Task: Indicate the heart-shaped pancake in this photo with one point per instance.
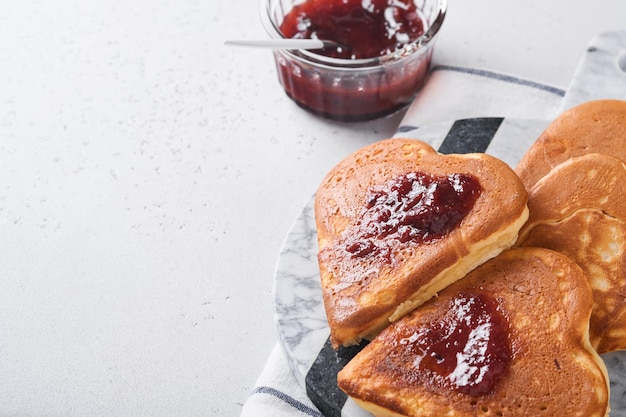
(509, 339)
(578, 209)
(397, 222)
(593, 127)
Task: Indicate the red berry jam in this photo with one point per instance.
(467, 350)
(379, 67)
(365, 28)
(414, 208)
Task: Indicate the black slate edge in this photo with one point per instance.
(321, 380)
(470, 135)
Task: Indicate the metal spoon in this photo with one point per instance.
(285, 43)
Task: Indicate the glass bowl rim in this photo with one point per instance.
(409, 50)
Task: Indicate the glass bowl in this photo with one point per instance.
(354, 89)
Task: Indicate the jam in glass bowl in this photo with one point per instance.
(381, 59)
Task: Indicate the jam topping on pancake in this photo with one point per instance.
(467, 350)
(412, 208)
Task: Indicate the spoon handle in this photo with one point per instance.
(279, 43)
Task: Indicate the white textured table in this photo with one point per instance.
(148, 176)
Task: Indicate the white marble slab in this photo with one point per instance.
(601, 73)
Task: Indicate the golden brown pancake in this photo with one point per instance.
(579, 209)
(397, 222)
(593, 127)
(510, 339)
(597, 243)
(588, 181)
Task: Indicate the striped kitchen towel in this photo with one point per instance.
(455, 93)
(277, 394)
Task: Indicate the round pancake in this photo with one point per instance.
(578, 209)
(596, 242)
(593, 127)
(553, 370)
(589, 181)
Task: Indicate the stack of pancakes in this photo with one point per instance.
(466, 324)
(575, 175)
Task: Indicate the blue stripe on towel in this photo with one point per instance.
(502, 77)
(303, 408)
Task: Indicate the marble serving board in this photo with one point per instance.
(601, 73)
(299, 309)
